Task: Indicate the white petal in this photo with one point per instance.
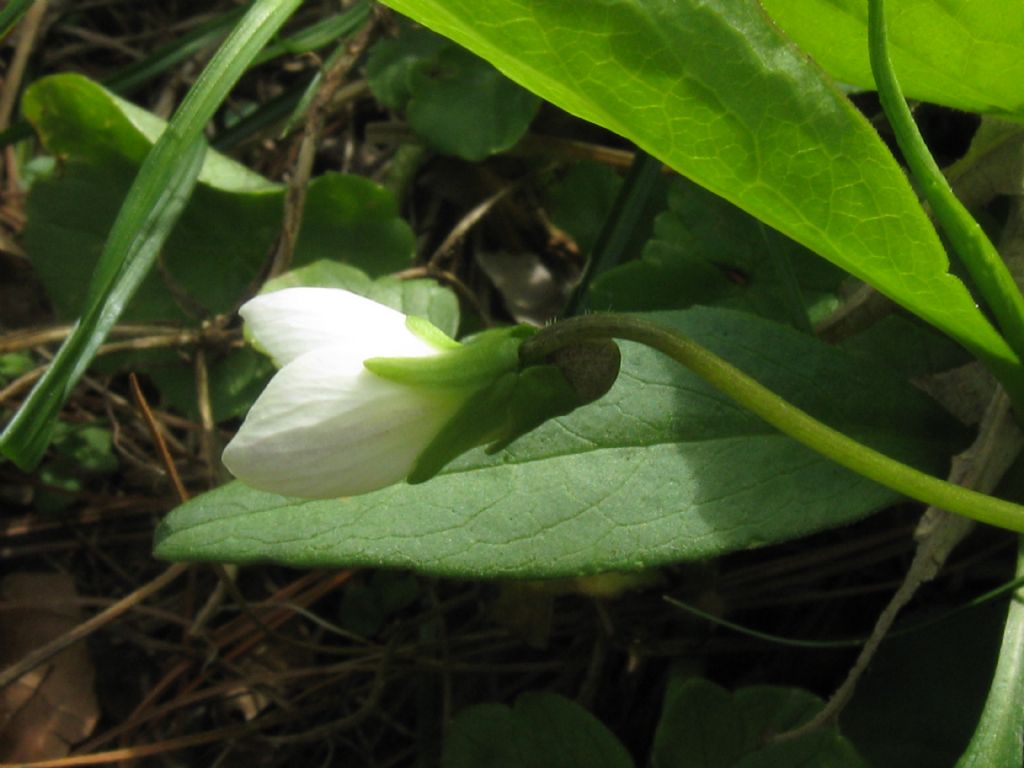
(293, 321)
(326, 427)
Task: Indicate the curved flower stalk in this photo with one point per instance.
(367, 397)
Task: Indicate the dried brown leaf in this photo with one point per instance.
(54, 706)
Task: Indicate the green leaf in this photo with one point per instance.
(419, 298)
(542, 731)
(219, 246)
(353, 219)
(464, 107)
(999, 738)
(661, 469)
(719, 94)
(457, 102)
(79, 119)
(817, 750)
(150, 211)
(13, 365)
(706, 251)
(146, 221)
(80, 452)
(704, 726)
(769, 709)
(965, 55)
(906, 347)
(235, 379)
(700, 727)
(365, 607)
(393, 63)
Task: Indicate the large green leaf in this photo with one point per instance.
(968, 55)
(662, 469)
(221, 243)
(717, 92)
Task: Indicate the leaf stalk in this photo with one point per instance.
(781, 414)
(970, 243)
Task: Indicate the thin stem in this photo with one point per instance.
(969, 241)
(781, 414)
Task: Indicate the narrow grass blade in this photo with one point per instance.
(12, 14)
(149, 212)
(612, 244)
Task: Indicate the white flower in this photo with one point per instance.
(326, 426)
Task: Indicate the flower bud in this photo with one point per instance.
(325, 426)
(367, 397)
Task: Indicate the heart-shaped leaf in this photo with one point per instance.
(221, 242)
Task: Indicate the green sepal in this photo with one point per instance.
(511, 406)
(430, 333)
(541, 392)
(482, 417)
(471, 365)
